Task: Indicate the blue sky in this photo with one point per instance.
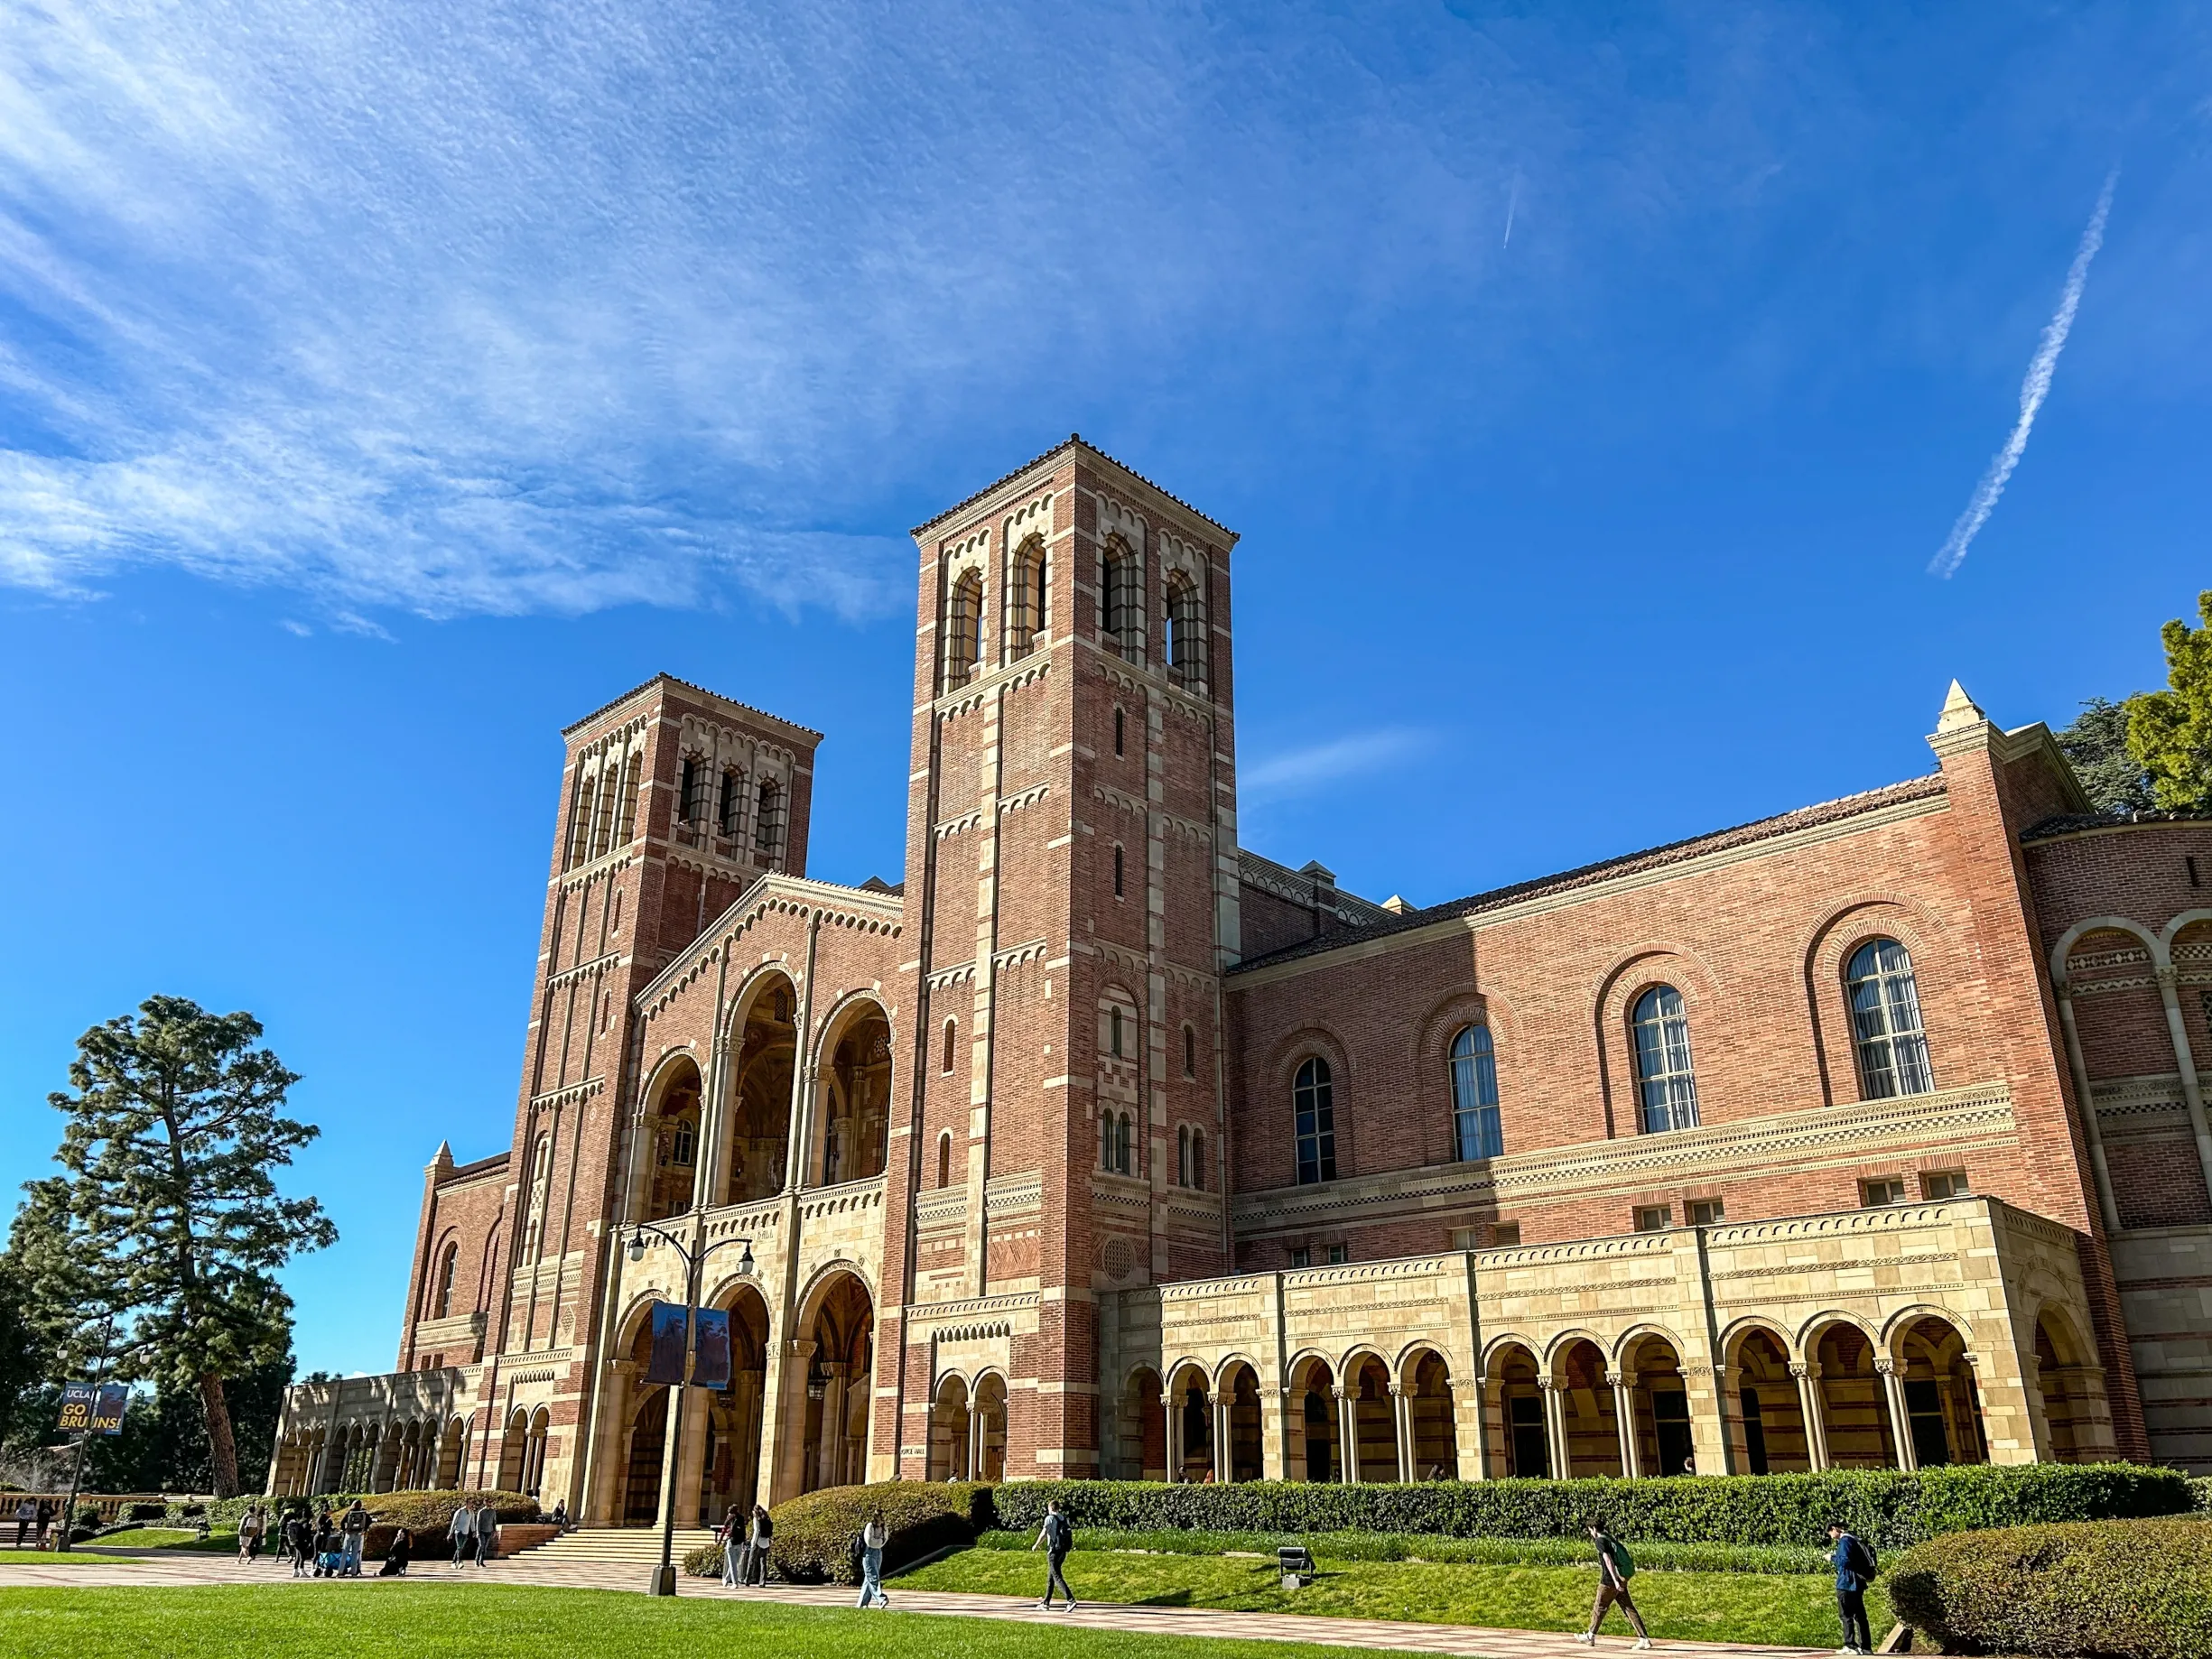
(383, 387)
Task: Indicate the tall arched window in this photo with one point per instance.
(1025, 591)
(1124, 1154)
(448, 1266)
(1475, 1130)
(768, 823)
(1117, 862)
(1121, 732)
(1183, 639)
(944, 1159)
(1190, 1052)
(1885, 1021)
(580, 817)
(952, 1043)
(1198, 1159)
(1313, 1100)
(1122, 581)
(1183, 1155)
(692, 789)
(730, 811)
(603, 835)
(626, 814)
(1663, 1073)
(1116, 1149)
(963, 631)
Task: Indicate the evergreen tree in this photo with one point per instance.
(2097, 744)
(2170, 732)
(168, 1209)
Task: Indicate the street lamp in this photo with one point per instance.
(664, 1575)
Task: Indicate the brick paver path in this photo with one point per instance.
(178, 1569)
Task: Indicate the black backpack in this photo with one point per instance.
(857, 1549)
(1866, 1567)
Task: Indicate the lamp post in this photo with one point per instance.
(77, 1471)
(694, 1261)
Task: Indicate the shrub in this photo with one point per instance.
(1651, 1556)
(2201, 1493)
(2121, 1589)
(814, 1534)
(427, 1515)
(1889, 1507)
(704, 1562)
(145, 1512)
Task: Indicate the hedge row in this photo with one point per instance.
(814, 1534)
(2122, 1590)
(1889, 1507)
(1802, 1560)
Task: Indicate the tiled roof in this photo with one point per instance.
(1073, 440)
(1654, 858)
(647, 685)
(2073, 823)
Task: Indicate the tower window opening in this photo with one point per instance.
(730, 808)
(1027, 595)
(1121, 732)
(1184, 637)
(768, 823)
(1190, 1052)
(963, 631)
(951, 1042)
(1117, 884)
(1313, 1100)
(693, 795)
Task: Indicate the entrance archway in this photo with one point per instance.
(1190, 1427)
(1239, 1391)
(1514, 1409)
(990, 1428)
(1943, 1407)
(1313, 1427)
(1584, 1411)
(2077, 1418)
(1374, 1420)
(730, 1448)
(1140, 1430)
(1770, 1414)
(837, 1371)
(856, 1098)
(951, 1440)
(1659, 1433)
(648, 1442)
(1428, 1408)
(759, 1136)
(1854, 1405)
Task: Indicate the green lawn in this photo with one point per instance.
(38, 1558)
(408, 1621)
(165, 1538)
(1787, 1609)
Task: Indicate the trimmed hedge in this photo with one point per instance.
(1889, 1507)
(814, 1534)
(2117, 1589)
(1804, 1560)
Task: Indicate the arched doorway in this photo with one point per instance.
(1313, 1422)
(839, 1384)
(1658, 1434)
(759, 1135)
(1429, 1409)
(1769, 1415)
(1513, 1427)
(672, 1139)
(450, 1446)
(1943, 1407)
(730, 1446)
(2077, 1418)
(1854, 1406)
(644, 1440)
(950, 1438)
(990, 1428)
(1239, 1392)
(856, 1098)
(514, 1451)
(1190, 1427)
(1142, 1431)
(1585, 1406)
(1374, 1420)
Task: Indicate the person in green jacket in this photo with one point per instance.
(1615, 1568)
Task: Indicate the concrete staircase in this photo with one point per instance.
(599, 1546)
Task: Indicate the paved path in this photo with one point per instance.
(181, 1569)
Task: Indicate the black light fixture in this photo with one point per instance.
(637, 1249)
(745, 1261)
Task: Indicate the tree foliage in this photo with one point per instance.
(2170, 732)
(2110, 774)
(167, 1210)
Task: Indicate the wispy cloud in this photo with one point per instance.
(1289, 772)
(2034, 390)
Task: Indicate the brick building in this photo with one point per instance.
(1870, 1133)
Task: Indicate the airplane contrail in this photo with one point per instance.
(1511, 202)
(2032, 392)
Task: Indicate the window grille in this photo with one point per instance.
(1184, 638)
(1668, 1085)
(1475, 1129)
(1314, 1113)
(1885, 1021)
(768, 823)
(730, 811)
(963, 631)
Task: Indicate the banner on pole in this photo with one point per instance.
(710, 1348)
(670, 1339)
(93, 1408)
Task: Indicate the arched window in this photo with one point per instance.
(1183, 1155)
(604, 813)
(1475, 1131)
(768, 823)
(692, 791)
(1106, 1140)
(1122, 581)
(1113, 1030)
(1124, 1159)
(1121, 732)
(683, 1142)
(963, 631)
(1116, 1152)
(1025, 593)
(448, 1267)
(1313, 1100)
(1118, 887)
(580, 796)
(730, 811)
(1198, 1160)
(626, 814)
(1664, 1076)
(1184, 637)
(1190, 1052)
(1885, 1021)
(952, 1043)
(945, 1160)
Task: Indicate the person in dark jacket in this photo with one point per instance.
(1616, 1567)
(300, 1542)
(760, 1546)
(1854, 1569)
(1057, 1538)
(398, 1555)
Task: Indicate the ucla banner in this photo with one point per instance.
(670, 1337)
(93, 1408)
(710, 1348)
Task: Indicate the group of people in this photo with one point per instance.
(327, 1544)
(747, 1541)
(1851, 1556)
(33, 1515)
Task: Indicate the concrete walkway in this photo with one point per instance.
(178, 1569)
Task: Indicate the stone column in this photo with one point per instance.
(1900, 1418)
(1810, 1406)
(2193, 1093)
(828, 1468)
(1225, 1463)
(1735, 1428)
(1560, 1455)
(783, 1423)
(1491, 1429)
(1173, 1415)
(1624, 1422)
(2105, 1201)
(1401, 1423)
(1275, 1439)
(691, 1464)
(1347, 1434)
(974, 1465)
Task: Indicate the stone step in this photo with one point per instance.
(640, 1544)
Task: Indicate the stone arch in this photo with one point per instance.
(453, 1447)
(831, 1378)
(1829, 950)
(1840, 1358)
(950, 1442)
(1190, 1421)
(1515, 1419)
(731, 1420)
(1236, 1394)
(989, 1404)
(1309, 1405)
(1430, 1427)
(1761, 1406)
(1370, 1421)
(853, 1068)
(1652, 1397)
(2069, 1385)
(1613, 999)
(1429, 1059)
(670, 1137)
(1585, 1423)
(1932, 1379)
(1142, 1438)
(761, 1048)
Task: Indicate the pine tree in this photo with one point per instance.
(168, 1207)
(2170, 732)
(2097, 744)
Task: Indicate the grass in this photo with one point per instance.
(40, 1557)
(1650, 1556)
(164, 1538)
(404, 1621)
(1789, 1609)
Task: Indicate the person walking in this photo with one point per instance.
(353, 1529)
(873, 1537)
(300, 1539)
(1855, 1570)
(46, 1519)
(249, 1532)
(730, 1535)
(487, 1532)
(760, 1547)
(26, 1517)
(1057, 1538)
(1615, 1568)
(462, 1529)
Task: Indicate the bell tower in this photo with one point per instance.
(1072, 888)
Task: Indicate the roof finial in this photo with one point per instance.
(1959, 710)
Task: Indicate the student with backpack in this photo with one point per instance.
(1856, 1567)
(868, 1545)
(1058, 1538)
(1615, 1568)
